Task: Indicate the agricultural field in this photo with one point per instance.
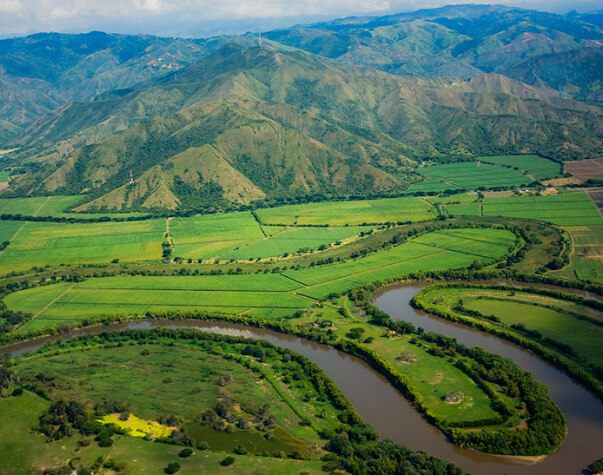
(349, 213)
(534, 166)
(257, 294)
(233, 407)
(239, 236)
(586, 262)
(469, 176)
(570, 323)
(4, 177)
(55, 244)
(585, 169)
(565, 209)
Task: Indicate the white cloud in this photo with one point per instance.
(26, 16)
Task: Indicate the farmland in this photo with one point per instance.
(239, 236)
(546, 319)
(58, 304)
(40, 244)
(532, 165)
(469, 176)
(349, 213)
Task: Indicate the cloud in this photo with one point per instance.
(147, 16)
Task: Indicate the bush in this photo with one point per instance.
(184, 453)
(172, 467)
(227, 461)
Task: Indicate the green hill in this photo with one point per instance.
(247, 123)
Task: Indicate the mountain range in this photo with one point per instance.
(345, 108)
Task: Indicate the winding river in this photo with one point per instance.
(384, 407)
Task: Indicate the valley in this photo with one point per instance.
(368, 245)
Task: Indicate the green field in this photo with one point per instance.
(40, 244)
(565, 209)
(586, 262)
(469, 176)
(239, 236)
(537, 167)
(441, 250)
(265, 295)
(554, 318)
(4, 177)
(291, 240)
(167, 372)
(350, 213)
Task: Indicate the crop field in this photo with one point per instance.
(565, 209)
(464, 209)
(265, 295)
(585, 169)
(291, 240)
(40, 244)
(350, 213)
(433, 185)
(4, 177)
(533, 165)
(239, 236)
(587, 258)
(473, 175)
(553, 318)
(447, 249)
(8, 229)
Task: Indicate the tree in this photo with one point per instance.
(227, 461)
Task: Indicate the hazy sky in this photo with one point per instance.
(203, 17)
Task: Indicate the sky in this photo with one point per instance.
(200, 18)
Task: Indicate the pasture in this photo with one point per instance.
(165, 379)
(554, 318)
(350, 213)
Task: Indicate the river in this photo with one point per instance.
(384, 407)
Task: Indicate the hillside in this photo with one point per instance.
(41, 72)
(247, 123)
(457, 40)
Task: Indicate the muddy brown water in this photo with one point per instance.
(384, 407)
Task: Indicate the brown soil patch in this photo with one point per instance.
(562, 181)
(585, 169)
(8, 150)
(3, 185)
(437, 379)
(549, 191)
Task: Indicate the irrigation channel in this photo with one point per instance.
(384, 407)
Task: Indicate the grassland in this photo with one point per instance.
(40, 244)
(266, 295)
(350, 213)
(167, 373)
(4, 177)
(562, 321)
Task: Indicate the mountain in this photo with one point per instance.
(456, 40)
(41, 72)
(246, 124)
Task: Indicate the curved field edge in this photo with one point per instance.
(353, 442)
(398, 379)
(566, 364)
(295, 290)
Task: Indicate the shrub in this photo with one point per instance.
(227, 461)
(184, 453)
(172, 467)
